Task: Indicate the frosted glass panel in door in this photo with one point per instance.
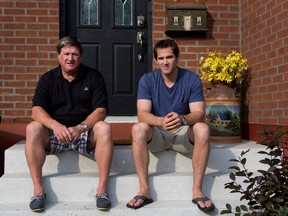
(124, 12)
(89, 10)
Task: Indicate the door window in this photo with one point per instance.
(89, 12)
(123, 12)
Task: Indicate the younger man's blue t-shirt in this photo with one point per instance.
(187, 89)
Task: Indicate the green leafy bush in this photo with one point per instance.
(266, 192)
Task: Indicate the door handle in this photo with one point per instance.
(140, 40)
(140, 21)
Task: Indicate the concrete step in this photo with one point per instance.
(70, 181)
(159, 208)
(121, 187)
(168, 161)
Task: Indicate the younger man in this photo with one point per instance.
(171, 114)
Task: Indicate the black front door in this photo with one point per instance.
(115, 35)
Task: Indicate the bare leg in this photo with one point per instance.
(104, 149)
(200, 132)
(37, 138)
(141, 134)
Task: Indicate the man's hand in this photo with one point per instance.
(172, 121)
(66, 135)
(62, 133)
(75, 132)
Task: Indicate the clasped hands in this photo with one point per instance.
(172, 121)
(67, 134)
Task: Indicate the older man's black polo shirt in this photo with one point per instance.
(71, 102)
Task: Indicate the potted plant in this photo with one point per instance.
(224, 73)
(227, 69)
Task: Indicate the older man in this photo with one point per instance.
(69, 108)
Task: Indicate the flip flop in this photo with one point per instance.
(203, 199)
(145, 199)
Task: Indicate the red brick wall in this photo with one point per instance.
(258, 30)
(264, 42)
(223, 34)
(29, 31)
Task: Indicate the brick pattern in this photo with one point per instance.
(29, 31)
(264, 42)
(257, 29)
(223, 34)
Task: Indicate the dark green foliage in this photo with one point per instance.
(267, 192)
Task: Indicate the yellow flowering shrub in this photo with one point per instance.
(226, 68)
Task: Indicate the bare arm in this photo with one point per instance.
(98, 114)
(197, 114)
(60, 131)
(64, 134)
(40, 115)
(173, 120)
(144, 108)
(169, 122)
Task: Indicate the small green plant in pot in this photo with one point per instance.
(266, 192)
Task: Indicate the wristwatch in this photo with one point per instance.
(83, 126)
(184, 121)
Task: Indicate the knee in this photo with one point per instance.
(201, 131)
(34, 128)
(102, 128)
(139, 130)
(36, 133)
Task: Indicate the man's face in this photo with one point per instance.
(69, 59)
(166, 60)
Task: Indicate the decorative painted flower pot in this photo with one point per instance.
(223, 114)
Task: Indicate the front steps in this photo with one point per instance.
(70, 181)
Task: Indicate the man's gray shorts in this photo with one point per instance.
(177, 140)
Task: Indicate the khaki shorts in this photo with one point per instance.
(177, 140)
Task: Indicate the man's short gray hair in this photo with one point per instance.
(69, 41)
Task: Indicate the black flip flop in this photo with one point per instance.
(203, 199)
(145, 199)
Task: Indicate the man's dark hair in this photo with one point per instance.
(165, 43)
(69, 41)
